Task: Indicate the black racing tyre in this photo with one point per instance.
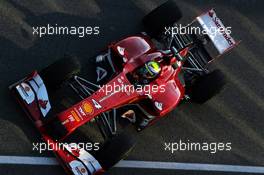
(163, 16)
(115, 149)
(58, 72)
(56, 129)
(207, 86)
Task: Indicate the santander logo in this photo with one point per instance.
(219, 25)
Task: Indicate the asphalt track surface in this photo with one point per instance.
(235, 115)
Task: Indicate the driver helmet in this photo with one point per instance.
(152, 69)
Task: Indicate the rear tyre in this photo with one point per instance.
(58, 72)
(115, 149)
(207, 86)
(163, 16)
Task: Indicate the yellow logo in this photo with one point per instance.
(88, 108)
(75, 116)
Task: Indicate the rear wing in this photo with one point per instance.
(206, 38)
(216, 31)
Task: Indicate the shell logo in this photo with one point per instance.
(88, 108)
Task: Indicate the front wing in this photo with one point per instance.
(32, 96)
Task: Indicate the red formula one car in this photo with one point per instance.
(140, 78)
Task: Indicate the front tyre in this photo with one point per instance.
(115, 149)
(59, 71)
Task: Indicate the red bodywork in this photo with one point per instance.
(137, 51)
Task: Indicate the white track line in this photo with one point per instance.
(24, 160)
(190, 166)
(28, 160)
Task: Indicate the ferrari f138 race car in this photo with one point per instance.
(174, 67)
